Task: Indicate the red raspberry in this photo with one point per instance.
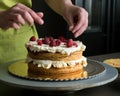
(46, 40)
(51, 38)
(58, 42)
(39, 42)
(52, 43)
(70, 43)
(32, 38)
(75, 44)
(62, 39)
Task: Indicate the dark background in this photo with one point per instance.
(103, 33)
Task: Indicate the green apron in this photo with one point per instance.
(12, 42)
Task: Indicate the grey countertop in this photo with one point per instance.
(105, 56)
(110, 89)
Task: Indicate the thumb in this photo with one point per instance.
(70, 22)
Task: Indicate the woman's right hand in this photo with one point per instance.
(18, 15)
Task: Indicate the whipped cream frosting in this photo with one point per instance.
(33, 46)
(58, 64)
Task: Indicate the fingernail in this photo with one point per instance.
(17, 28)
(76, 35)
(70, 28)
(41, 22)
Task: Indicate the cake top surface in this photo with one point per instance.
(49, 44)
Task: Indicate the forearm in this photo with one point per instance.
(59, 6)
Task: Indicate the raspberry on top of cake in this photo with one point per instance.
(52, 45)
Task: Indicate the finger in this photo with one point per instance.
(79, 22)
(26, 16)
(35, 17)
(70, 22)
(13, 25)
(82, 17)
(18, 19)
(16, 11)
(82, 29)
(40, 14)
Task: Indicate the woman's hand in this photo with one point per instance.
(18, 15)
(75, 16)
(77, 19)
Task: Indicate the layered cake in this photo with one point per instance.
(56, 59)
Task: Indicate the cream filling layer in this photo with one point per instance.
(58, 64)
